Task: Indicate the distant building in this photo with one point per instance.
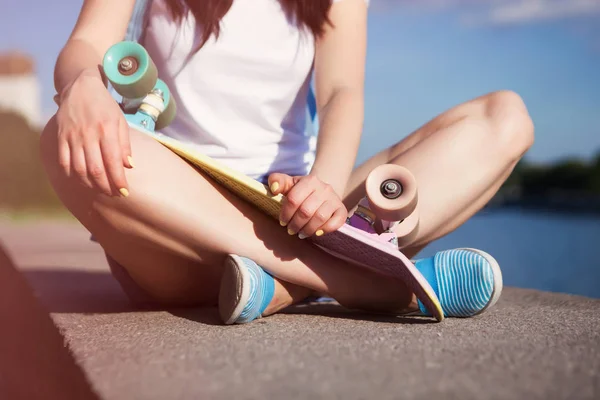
(20, 89)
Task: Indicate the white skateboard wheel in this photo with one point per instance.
(407, 230)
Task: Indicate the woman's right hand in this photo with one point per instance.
(93, 136)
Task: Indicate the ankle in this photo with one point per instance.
(286, 294)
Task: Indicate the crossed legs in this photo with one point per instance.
(173, 232)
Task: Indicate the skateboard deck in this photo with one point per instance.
(348, 243)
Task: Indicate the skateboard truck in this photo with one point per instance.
(365, 219)
(390, 205)
(145, 112)
(147, 101)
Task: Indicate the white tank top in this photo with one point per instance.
(241, 99)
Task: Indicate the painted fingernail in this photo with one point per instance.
(124, 192)
(130, 161)
(291, 232)
(302, 235)
(319, 232)
(274, 186)
(282, 223)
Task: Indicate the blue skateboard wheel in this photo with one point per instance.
(167, 116)
(130, 70)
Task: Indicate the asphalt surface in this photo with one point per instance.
(531, 345)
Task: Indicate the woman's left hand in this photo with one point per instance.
(310, 206)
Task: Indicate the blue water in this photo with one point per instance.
(546, 251)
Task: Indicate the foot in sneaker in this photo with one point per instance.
(467, 281)
(246, 290)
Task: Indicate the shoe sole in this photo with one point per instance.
(496, 273)
(233, 292)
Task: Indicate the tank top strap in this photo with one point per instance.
(138, 20)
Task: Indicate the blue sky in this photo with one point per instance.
(424, 57)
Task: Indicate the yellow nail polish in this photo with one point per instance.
(274, 186)
(130, 160)
(291, 232)
(319, 232)
(124, 192)
(282, 223)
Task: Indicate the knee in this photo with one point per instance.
(509, 121)
(48, 147)
(78, 198)
(49, 154)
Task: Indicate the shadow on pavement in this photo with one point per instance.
(333, 310)
(84, 292)
(205, 315)
(34, 361)
(77, 291)
(210, 316)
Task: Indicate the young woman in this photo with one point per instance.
(240, 70)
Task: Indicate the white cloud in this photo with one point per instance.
(537, 10)
(583, 15)
(499, 12)
(426, 5)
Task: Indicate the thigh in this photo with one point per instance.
(145, 233)
(355, 188)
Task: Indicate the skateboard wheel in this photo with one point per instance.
(407, 230)
(129, 68)
(392, 192)
(167, 116)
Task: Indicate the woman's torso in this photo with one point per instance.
(242, 98)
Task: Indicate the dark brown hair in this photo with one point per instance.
(311, 14)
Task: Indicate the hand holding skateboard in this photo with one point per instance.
(310, 206)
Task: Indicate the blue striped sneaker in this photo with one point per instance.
(467, 281)
(246, 290)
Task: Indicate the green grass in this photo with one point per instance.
(33, 215)
(25, 192)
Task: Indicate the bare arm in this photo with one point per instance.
(312, 204)
(101, 24)
(339, 78)
(92, 133)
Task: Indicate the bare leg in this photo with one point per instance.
(460, 160)
(174, 230)
(286, 294)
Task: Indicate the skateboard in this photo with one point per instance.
(375, 229)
